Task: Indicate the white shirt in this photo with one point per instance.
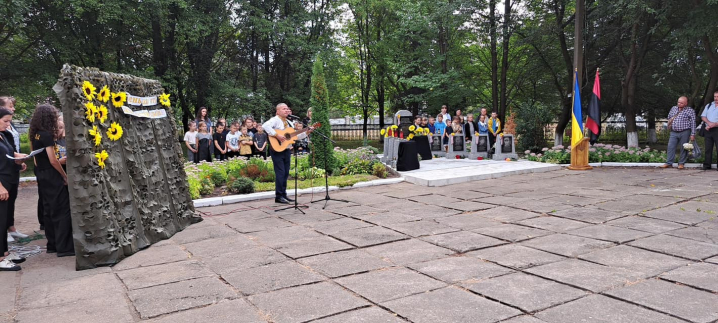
(277, 123)
(191, 137)
(233, 140)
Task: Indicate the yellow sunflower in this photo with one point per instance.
(410, 137)
(101, 157)
(412, 128)
(89, 90)
(115, 131)
(395, 127)
(118, 99)
(90, 110)
(104, 94)
(96, 134)
(383, 132)
(165, 99)
(101, 113)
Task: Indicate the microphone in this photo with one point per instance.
(293, 117)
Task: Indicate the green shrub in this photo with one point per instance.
(379, 170)
(532, 119)
(218, 176)
(358, 166)
(241, 185)
(319, 101)
(311, 173)
(194, 186)
(206, 186)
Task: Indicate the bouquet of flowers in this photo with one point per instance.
(688, 146)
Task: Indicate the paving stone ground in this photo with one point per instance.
(608, 245)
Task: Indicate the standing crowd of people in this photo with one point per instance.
(206, 140)
(445, 125)
(682, 127)
(47, 132)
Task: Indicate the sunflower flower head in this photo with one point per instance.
(101, 157)
(90, 111)
(165, 99)
(118, 99)
(101, 113)
(89, 90)
(412, 128)
(383, 132)
(97, 136)
(104, 94)
(115, 131)
(395, 127)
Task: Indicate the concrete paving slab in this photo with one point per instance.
(602, 309)
(216, 247)
(450, 305)
(387, 218)
(674, 299)
(587, 275)
(567, 245)
(707, 234)
(205, 233)
(646, 224)
(238, 310)
(527, 292)
(158, 275)
(243, 225)
(515, 256)
(507, 214)
(363, 315)
(639, 260)
(409, 251)
(364, 237)
(512, 232)
(634, 204)
(463, 241)
(279, 236)
(701, 275)
(387, 284)
(523, 319)
(270, 277)
(74, 291)
(164, 299)
(243, 259)
(339, 225)
(455, 269)
(609, 233)
(304, 303)
(421, 228)
(588, 214)
(467, 221)
(553, 223)
(96, 309)
(429, 211)
(153, 255)
(713, 260)
(686, 213)
(677, 247)
(309, 247)
(344, 263)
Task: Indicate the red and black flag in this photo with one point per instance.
(593, 122)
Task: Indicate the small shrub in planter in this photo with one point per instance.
(206, 186)
(241, 185)
(379, 170)
(358, 166)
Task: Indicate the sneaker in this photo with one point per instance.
(15, 258)
(10, 239)
(17, 234)
(7, 265)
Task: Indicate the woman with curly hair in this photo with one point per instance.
(52, 182)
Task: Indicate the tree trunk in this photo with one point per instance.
(505, 59)
(494, 57)
(713, 80)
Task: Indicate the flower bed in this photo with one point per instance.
(599, 153)
(243, 176)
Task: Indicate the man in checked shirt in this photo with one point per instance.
(682, 124)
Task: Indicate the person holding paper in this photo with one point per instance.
(14, 136)
(9, 179)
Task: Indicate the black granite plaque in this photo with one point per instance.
(507, 145)
(436, 143)
(459, 143)
(482, 144)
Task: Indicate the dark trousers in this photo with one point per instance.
(218, 156)
(711, 140)
(56, 202)
(12, 191)
(281, 162)
(5, 208)
(492, 140)
(40, 208)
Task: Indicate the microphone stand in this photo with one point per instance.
(326, 199)
(296, 197)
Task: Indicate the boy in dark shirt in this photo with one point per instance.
(260, 142)
(220, 145)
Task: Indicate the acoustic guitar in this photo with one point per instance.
(290, 134)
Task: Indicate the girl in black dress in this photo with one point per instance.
(9, 179)
(204, 142)
(52, 182)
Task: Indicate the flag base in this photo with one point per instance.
(579, 156)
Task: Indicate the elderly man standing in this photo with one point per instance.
(710, 117)
(682, 124)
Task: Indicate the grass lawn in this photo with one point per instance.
(341, 181)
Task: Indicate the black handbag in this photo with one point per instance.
(702, 129)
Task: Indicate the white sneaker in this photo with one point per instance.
(15, 258)
(10, 239)
(17, 234)
(7, 265)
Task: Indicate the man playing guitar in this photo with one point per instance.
(281, 159)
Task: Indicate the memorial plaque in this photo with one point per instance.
(483, 145)
(404, 119)
(505, 148)
(436, 144)
(507, 145)
(479, 147)
(458, 144)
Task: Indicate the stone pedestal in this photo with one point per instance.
(480, 147)
(505, 148)
(457, 146)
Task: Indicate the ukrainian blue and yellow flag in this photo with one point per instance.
(577, 119)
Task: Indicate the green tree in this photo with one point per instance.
(323, 148)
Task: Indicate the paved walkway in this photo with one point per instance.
(609, 245)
